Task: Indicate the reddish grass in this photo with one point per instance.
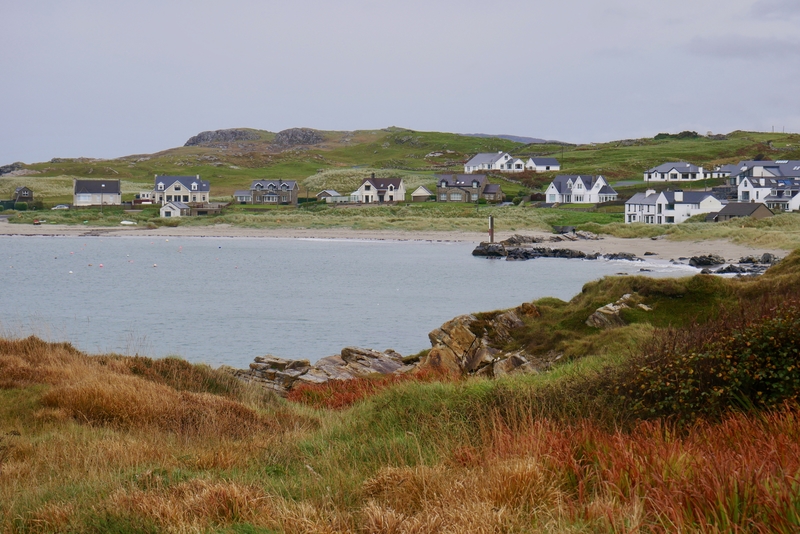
(339, 394)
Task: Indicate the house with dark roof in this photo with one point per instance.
(175, 208)
(243, 196)
(96, 192)
(779, 194)
(22, 194)
(494, 161)
(466, 188)
(278, 192)
(669, 207)
(579, 189)
(542, 164)
(379, 190)
(186, 189)
(674, 171)
(735, 210)
(765, 169)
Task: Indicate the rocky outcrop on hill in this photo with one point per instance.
(608, 316)
(222, 136)
(8, 169)
(298, 136)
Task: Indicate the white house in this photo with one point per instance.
(542, 164)
(181, 189)
(577, 189)
(765, 169)
(500, 161)
(174, 208)
(675, 171)
(669, 207)
(380, 190)
(779, 194)
(421, 194)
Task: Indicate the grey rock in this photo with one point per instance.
(298, 136)
(706, 260)
(222, 136)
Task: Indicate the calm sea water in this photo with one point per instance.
(227, 300)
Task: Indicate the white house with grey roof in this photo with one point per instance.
(579, 189)
(542, 164)
(96, 192)
(765, 169)
(674, 171)
(491, 161)
(669, 207)
(779, 194)
(174, 208)
(186, 189)
(380, 190)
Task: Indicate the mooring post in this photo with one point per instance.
(491, 228)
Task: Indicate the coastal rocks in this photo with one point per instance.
(706, 260)
(490, 250)
(222, 136)
(764, 259)
(298, 136)
(519, 248)
(281, 375)
(622, 256)
(608, 316)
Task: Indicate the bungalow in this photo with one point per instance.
(96, 192)
(328, 193)
(574, 188)
(175, 208)
(421, 194)
(466, 188)
(380, 190)
(678, 171)
(284, 192)
(543, 164)
(669, 207)
(243, 196)
(181, 189)
(500, 161)
(735, 210)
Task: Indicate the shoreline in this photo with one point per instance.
(660, 248)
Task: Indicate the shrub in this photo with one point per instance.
(21, 206)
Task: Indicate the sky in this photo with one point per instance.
(110, 78)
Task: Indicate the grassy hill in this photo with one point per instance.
(683, 421)
(393, 151)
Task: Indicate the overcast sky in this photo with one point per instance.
(106, 78)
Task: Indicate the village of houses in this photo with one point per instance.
(753, 189)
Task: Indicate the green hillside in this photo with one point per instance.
(410, 154)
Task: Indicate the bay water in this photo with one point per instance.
(226, 300)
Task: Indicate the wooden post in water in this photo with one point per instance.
(491, 228)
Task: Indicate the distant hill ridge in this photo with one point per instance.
(519, 139)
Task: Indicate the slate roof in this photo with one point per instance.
(680, 166)
(421, 191)
(689, 197)
(740, 209)
(460, 180)
(560, 182)
(278, 184)
(112, 187)
(241, 193)
(488, 158)
(729, 168)
(643, 198)
(544, 161)
(185, 181)
(607, 190)
(177, 204)
(330, 192)
(491, 189)
(382, 184)
(780, 168)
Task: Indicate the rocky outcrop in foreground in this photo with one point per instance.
(521, 247)
(466, 345)
(222, 136)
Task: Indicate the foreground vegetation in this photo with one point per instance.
(684, 420)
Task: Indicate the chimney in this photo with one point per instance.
(678, 195)
(762, 182)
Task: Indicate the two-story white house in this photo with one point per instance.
(542, 165)
(765, 169)
(578, 189)
(674, 171)
(380, 190)
(184, 189)
(491, 161)
(779, 194)
(669, 207)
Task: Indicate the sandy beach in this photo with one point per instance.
(661, 248)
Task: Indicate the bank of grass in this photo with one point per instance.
(114, 443)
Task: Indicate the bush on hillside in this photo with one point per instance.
(749, 361)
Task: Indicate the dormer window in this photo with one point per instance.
(443, 184)
(285, 187)
(194, 186)
(259, 187)
(271, 187)
(475, 184)
(161, 186)
(391, 187)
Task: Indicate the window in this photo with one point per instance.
(185, 198)
(474, 197)
(160, 186)
(551, 198)
(177, 188)
(204, 198)
(547, 168)
(673, 176)
(475, 184)
(443, 196)
(169, 198)
(194, 186)
(367, 187)
(167, 213)
(455, 196)
(443, 184)
(194, 198)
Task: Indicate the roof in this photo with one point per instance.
(460, 180)
(607, 190)
(20, 188)
(329, 192)
(241, 193)
(544, 161)
(486, 158)
(112, 187)
(689, 197)
(491, 189)
(177, 204)
(781, 168)
(384, 183)
(680, 166)
(741, 209)
(421, 191)
(643, 198)
(290, 184)
(185, 181)
(560, 183)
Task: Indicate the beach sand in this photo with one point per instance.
(661, 248)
